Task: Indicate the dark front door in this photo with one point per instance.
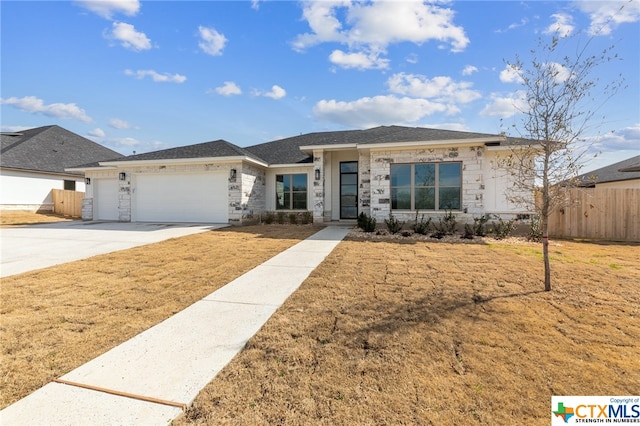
(349, 190)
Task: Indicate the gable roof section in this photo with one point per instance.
(287, 151)
(214, 149)
(49, 149)
(612, 173)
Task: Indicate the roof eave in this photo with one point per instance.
(199, 160)
(413, 144)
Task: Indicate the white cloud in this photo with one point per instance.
(58, 110)
(358, 60)
(469, 69)
(505, 106)
(513, 26)
(107, 8)
(372, 26)
(511, 74)
(606, 16)
(562, 25)
(229, 88)
(211, 41)
(117, 123)
(97, 133)
(379, 110)
(128, 37)
(157, 77)
(627, 138)
(276, 92)
(440, 88)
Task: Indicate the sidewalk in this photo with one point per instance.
(150, 378)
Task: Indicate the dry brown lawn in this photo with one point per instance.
(56, 319)
(20, 217)
(386, 333)
(381, 333)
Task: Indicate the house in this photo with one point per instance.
(624, 174)
(336, 175)
(33, 163)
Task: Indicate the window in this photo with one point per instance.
(291, 192)
(70, 185)
(426, 186)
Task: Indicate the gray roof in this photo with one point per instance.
(612, 173)
(287, 150)
(50, 149)
(219, 148)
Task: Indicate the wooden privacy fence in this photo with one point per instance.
(67, 203)
(599, 213)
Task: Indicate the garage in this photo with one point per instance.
(168, 197)
(105, 199)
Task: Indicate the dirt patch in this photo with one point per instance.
(56, 319)
(20, 217)
(387, 332)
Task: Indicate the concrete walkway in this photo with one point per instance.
(152, 377)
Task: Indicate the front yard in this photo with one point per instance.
(382, 332)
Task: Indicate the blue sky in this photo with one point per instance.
(146, 75)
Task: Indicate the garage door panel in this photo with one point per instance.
(105, 197)
(201, 197)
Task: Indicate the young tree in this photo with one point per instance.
(561, 97)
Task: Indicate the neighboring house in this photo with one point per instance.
(624, 174)
(336, 175)
(33, 163)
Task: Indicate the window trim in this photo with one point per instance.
(291, 192)
(413, 187)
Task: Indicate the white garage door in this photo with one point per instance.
(105, 199)
(201, 197)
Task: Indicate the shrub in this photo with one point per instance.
(446, 225)
(502, 229)
(366, 222)
(280, 217)
(535, 231)
(306, 217)
(269, 217)
(469, 231)
(479, 225)
(393, 224)
(421, 227)
(293, 218)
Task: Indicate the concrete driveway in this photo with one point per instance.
(32, 247)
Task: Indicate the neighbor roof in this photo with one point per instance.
(49, 149)
(612, 173)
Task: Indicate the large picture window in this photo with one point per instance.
(426, 186)
(291, 192)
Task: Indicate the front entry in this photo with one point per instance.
(349, 190)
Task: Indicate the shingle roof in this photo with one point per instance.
(612, 173)
(49, 149)
(219, 148)
(287, 151)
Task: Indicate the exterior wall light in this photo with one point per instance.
(232, 175)
(87, 181)
(122, 176)
(317, 174)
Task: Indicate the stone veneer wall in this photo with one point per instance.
(380, 182)
(318, 206)
(247, 195)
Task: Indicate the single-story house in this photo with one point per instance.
(33, 163)
(336, 175)
(623, 174)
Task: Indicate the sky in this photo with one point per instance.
(138, 76)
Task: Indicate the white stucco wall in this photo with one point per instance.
(32, 191)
